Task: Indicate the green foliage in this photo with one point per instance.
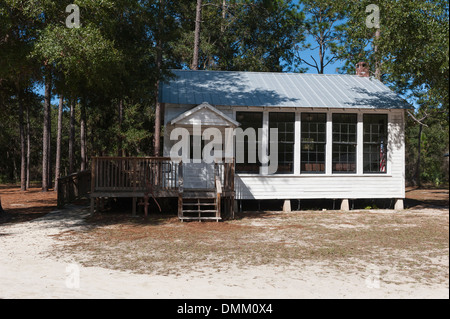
(248, 36)
(325, 27)
(412, 49)
(9, 136)
(434, 144)
(111, 60)
(83, 56)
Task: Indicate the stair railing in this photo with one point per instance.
(218, 186)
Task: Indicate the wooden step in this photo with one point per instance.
(199, 211)
(191, 205)
(200, 218)
(199, 196)
(199, 204)
(199, 193)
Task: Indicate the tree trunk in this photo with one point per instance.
(198, 19)
(157, 138)
(224, 16)
(71, 135)
(157, 135)
(321, 57)
(23, 163)
(419, 148)
(83, 136)
(46, 132)
(28, 148)
(1, 208)
(58, 143)
(50, 163)
(120, 137)
(377, 59)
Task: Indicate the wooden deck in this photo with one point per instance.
(155, 177)
(73, 187)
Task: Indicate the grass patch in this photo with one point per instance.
(408, 243)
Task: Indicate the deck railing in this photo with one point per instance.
(73, 187)
(134, 174)
(153, 176)
(225, 171)
(224, 182)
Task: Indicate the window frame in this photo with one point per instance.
(282, 144)
(384, 135)
(348, 128)
(240, 168)
(314, 144)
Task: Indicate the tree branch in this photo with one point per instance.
(329, 61)
(419, 120)
(311, 65)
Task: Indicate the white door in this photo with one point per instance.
(198, 175)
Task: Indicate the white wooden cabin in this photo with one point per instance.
(340, 136)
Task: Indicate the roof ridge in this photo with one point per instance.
(263, 72)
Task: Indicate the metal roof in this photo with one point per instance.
(268, 89)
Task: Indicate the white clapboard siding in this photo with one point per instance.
(335, 186)
(327, 186)
(303, 187)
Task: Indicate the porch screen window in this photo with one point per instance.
(191, 148)
(344, 143)
(249, 120)
(313, 141)
(375, 143)
(285, 123)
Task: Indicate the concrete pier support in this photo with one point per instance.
(287, 206)
(345, 205)
(399, 205)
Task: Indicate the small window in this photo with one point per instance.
(344, 143)
(248, 120)
(313, 141)
(285, 123)
(375, 143)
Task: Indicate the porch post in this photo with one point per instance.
(329, 145)
(297, 145)
(93, 184)
(359, 145)
(133, 212)
(265, 145)
(229, 145)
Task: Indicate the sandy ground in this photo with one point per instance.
(28, 270)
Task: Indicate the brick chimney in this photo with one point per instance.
(362, 69)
